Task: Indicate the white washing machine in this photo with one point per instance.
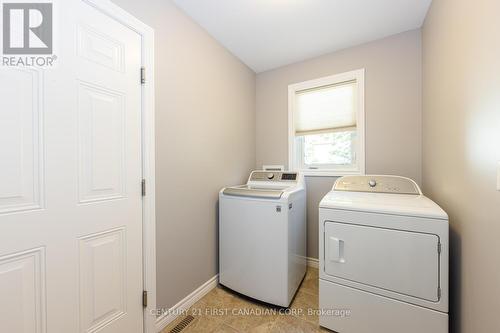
(383, 258)
(262, 236)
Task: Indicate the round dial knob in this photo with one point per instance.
(372, 183)
(270, 175)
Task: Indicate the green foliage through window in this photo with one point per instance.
(329, 148)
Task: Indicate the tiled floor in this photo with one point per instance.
(223, 311)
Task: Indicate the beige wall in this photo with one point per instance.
(461, 131)
(392, 106)
(205, 126)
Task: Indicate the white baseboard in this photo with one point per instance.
(169, 316)
(312, 262)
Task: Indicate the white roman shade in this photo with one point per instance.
(325, 109)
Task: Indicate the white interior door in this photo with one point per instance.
(70, 174)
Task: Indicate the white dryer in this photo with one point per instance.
(383, 258)
(262, 236)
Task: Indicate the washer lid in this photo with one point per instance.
(384, 203)
(253, 192)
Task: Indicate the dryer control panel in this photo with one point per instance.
(377, 184)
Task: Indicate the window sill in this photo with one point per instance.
(329, 173)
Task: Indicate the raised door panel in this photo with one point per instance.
(101, 143)
(100, 48)
(20, 132)
(22, 290)
(102, 279)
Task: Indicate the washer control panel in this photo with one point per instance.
(274, 176)
(377, 184)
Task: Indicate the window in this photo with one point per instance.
(326, 125)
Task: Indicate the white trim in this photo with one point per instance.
(359, 76)
(170, 315)
(313, 262)
(148, 151)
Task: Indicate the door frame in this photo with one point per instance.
(148, 154)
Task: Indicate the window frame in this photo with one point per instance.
(357, 75)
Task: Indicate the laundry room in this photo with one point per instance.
(255, 166)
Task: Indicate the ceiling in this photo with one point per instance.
(266, 34)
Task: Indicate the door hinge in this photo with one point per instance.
(143, 75)
(143, 187)
(145, 299)
(439, 248)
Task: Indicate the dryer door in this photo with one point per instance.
(394, 260)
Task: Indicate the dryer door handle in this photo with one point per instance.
(336, 250)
